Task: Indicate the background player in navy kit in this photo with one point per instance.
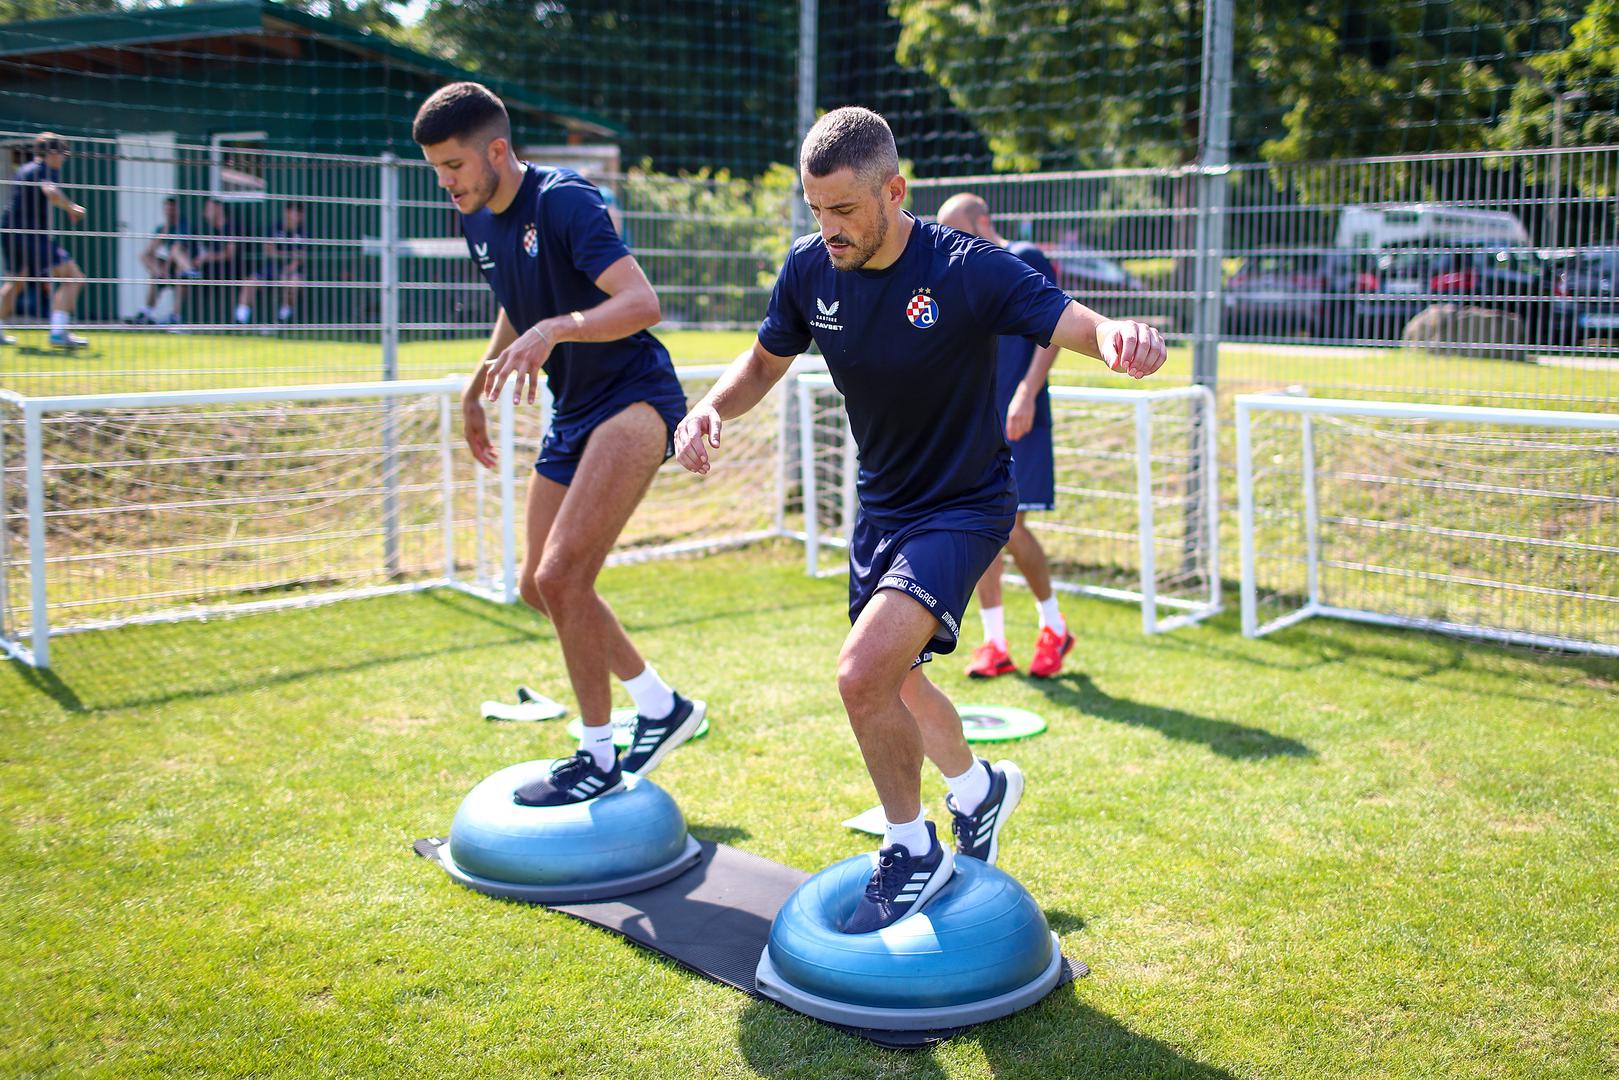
(906, 313)
(1021, 368)
(575, 304)
(29, 249)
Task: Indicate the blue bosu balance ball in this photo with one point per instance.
(606, 846)
(980, 949)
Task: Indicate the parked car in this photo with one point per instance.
(1391, 290)
(1277, 294)
(1515, 280)
(1591, 281)
(1086, 273)
(1476, 272)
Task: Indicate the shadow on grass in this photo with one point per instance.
(719, 834)
(1075, 690)
(1061, 1037)
(1064, 922)
(1394, 653)
(168, 663)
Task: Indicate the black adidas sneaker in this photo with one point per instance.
(572, 780)
(655, 738)
(978, 834)
(900, 885)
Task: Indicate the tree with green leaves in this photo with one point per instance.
(694, 85)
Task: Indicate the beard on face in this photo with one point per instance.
(860, 254)
(481, 190)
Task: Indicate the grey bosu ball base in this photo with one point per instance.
(608, 846)
(771, 984)
(573, 894)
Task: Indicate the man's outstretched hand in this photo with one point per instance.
(1130, 348)
(702, 423)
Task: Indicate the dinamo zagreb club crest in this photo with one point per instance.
(923, 311)
(531, 241)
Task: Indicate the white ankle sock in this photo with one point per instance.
(994, 620)
(598, 741)
(284, 313)
(1050, 615)
(244, 313)
(913, 835)
(58, 321)
(969, 790)
(652, 696)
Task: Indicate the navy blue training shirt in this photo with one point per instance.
(1015, 353)
(912, 347)
(28, 207)
(542, 256)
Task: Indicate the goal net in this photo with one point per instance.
(1484, 522)
(160, 506)
(1137, 507)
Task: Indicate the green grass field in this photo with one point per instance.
(1336, 852)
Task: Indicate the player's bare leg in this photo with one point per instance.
(939, 723)
(618, 464)
(873, 667)
(544, 501)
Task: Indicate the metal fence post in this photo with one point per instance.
(808, 17)
(1214, 150)
(389, 215)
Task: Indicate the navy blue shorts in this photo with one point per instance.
(1034, 470)
(565, 443)
(33, 255)
(934, 564)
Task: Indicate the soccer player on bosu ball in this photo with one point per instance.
(575, 305)
(906, 314)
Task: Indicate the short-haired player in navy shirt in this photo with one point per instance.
(575, 305)
(906, 313)
(31, 252)
(1024, 402)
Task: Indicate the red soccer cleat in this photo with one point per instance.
(1048, 653)
(990, 660)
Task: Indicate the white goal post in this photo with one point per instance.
(1493, 523)
(1137, 498)
(171, 505)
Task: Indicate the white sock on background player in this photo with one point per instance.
(994, 620)
(1051, 616)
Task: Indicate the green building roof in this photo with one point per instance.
(172, 43)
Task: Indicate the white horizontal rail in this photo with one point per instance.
(318, 392)
(1404, 410)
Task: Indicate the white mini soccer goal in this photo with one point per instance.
(129, 508)
(1491, 523)
(132, 508)
(1137, 505)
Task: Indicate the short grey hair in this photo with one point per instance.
(851, 138)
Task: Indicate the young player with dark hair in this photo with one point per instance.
(574, 305)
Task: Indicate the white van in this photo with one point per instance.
(1371, 229)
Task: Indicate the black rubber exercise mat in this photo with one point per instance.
(715, 919)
